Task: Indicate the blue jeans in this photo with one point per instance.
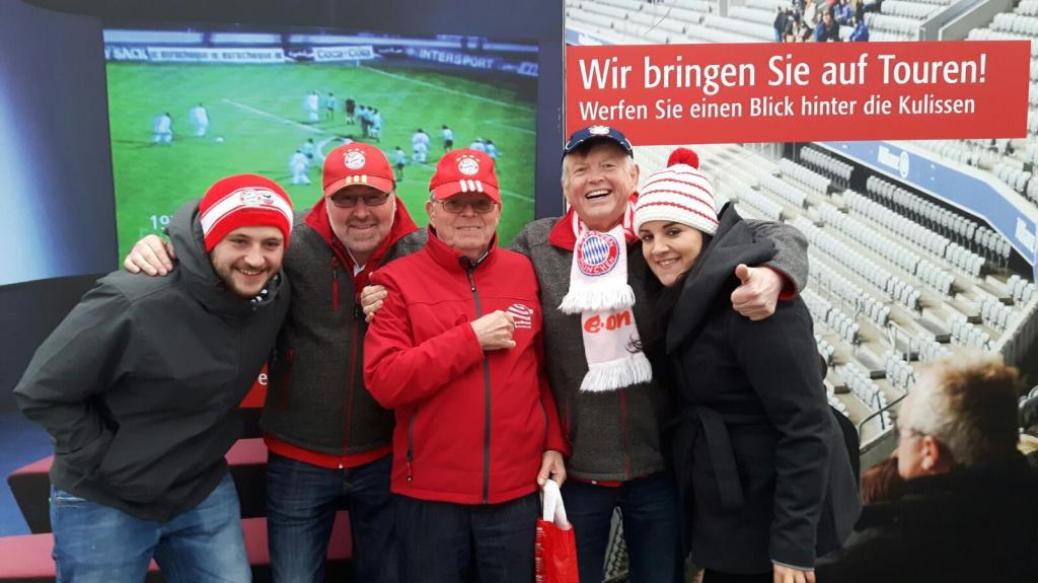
(650, 519)
(100, 544)
(439, 540)
(301, 503)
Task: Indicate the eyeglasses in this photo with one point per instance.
(348, 202)
(456, 207)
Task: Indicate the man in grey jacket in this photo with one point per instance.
(139, 388)
(596, 320)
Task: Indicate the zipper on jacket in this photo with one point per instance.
(351, 387)
(335, 285)
(623, 434)
(410, 446)
(486, 395)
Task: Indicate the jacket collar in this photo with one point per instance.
(451, 259)
(199, 277)
(714, 273)
(318, 220)
(564, 234)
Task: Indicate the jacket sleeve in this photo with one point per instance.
(554, 438)
(780, 360)
(397, 370)
(790, 258)
(82, 358)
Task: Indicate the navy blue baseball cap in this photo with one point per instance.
(597, 132)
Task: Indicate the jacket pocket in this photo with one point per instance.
(86, 458)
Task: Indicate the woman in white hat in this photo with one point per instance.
(763, 476)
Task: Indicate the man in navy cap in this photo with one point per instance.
(611, 403)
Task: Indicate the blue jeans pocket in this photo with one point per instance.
(62, 498)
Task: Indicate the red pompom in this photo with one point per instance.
(683, 156)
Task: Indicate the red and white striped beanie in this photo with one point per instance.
(679, 193)
(243, 200)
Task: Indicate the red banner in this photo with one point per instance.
(770, 92)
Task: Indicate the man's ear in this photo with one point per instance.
(933, 455)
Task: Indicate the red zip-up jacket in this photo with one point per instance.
(471, 426)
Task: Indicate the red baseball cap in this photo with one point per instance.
(357, 163)
(464, 170)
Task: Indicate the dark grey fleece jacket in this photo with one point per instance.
(615, 435)
(317, 399)
(139, 385)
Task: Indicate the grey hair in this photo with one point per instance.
(967, 402)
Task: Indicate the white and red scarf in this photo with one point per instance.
(599, 292)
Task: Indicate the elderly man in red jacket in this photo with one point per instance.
(456, 352)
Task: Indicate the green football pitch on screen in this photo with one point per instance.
(257, 121)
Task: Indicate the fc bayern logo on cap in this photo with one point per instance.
(598, 130)
(468, 165)
(354, 159)
(256, 197)
(598, 254)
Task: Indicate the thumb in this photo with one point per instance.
(542, 476)
(743, 273)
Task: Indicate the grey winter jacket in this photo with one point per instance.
(317, 399)
(139, 385)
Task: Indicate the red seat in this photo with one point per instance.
(247, 459)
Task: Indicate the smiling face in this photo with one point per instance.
(597, 183)
(670, 249)
(359, 225)
(468, 231)
(247, 258)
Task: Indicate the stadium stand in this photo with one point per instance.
(896, 278)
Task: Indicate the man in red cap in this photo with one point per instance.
(139, 388)
(329, 441)
(456, 352)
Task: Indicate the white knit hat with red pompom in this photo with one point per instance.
(679, 193)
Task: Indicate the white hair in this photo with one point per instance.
(968, 403)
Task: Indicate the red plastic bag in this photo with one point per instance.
(556, 549)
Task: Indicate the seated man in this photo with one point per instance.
(968, 509)
(456, 352)
(139, 388)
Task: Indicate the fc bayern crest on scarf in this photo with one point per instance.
(599, 292)
(598, 254)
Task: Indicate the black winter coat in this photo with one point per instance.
(967, 526)
(763, 474)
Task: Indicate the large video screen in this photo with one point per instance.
(188, 105)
